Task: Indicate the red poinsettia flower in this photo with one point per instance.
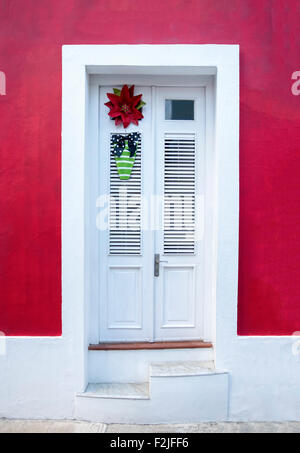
(123, 108)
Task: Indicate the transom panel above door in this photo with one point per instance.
(151, 252)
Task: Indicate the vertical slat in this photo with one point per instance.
(179, 194)
(125, 208)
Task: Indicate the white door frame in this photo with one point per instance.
(150, 290)
(95, 83)
(220, 61)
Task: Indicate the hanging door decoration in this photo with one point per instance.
(125, 108)
(124, 149)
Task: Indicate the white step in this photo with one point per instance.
(166, 369)
(133, 366)
(115, 391)
(180, 392)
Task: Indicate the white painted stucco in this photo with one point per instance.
(39, 377)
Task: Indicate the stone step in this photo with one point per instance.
(117, 391)
(180, 391)
(133, 366)
(181, 368)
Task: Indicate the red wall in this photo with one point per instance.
(31, 36)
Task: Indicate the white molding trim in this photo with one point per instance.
(77, 62)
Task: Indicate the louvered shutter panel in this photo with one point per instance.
(125, 209)
(179, 194)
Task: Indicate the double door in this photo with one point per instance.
(152, 236)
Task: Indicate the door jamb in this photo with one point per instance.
(78, 61)
(95, 82)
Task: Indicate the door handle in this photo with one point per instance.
(157, 262)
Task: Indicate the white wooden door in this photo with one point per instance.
(178, 240)
(159, 211)
(126, 250)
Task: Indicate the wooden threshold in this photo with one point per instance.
(145, 345)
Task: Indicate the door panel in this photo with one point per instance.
(125, 294)
(165, 190)
(179, 194)
(125, 236)
(178, 296)
(180, 181)
(126, 250)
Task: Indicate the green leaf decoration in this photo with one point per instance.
(140, 105)
(125, 163)
(117, 91)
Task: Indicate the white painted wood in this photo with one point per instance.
(126, 291)
(91, 211)
(179, 178)
(178, 298)
(179, 290)
(125, 208)
(125, 294)
(129, 310)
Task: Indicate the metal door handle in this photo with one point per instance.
(157, 261)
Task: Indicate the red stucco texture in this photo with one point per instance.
(31, 36)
